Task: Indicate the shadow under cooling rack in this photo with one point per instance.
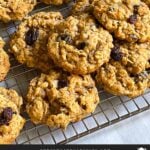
(111, 110)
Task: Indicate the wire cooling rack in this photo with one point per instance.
(111, 110)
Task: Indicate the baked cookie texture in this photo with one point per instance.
(59, 98)
(82, 6)
(4, 61)
(55, 2)
(135, 57)
(118, 81)
(79, 45)
(147, 2)
(127, 20)
(11, 122)
(29, 43)
(15, 9)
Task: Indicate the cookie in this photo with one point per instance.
(59, 98)
(12, 95)
(4, 61)
(79, 45)
(55, 2)
(11, 122)
(135, 57)
(127, 20)
(118, 81)
(15, 10)
(29, 43)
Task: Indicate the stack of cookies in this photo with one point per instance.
(127, 71)
(103, 42)
(65, 92)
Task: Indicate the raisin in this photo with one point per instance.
(6, 116)
(136, 9)
(78, 100)
(93, 75)
(132, 75)
(116, 54)
(140, 77)
(84, 107)
(66, 38)
(81, 46)
(62, 84)
(97, 23)
(31, 36)
(132, 19)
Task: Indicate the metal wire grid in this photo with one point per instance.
(111, 110)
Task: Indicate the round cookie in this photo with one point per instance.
(55, 2)
(4, 61)
(15, 9)
(59, 98)
(79, 45)
(135, 57)
(118, 81)
(127, 19)
(11, 123)
(29, 43)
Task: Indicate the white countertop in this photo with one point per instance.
(134, 130)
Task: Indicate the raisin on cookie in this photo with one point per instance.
(59, 98)
(135, 57)
(79, 45)
(4, 61)
(29, 43)
(15, 10)
(115, 79)
(127, 19)
(11, 122)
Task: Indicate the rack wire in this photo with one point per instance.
(111, 110)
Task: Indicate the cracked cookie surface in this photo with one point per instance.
(60, 98)
(4, 61)
(79, 45)
(29, 43)
(127, 20)
(82, 6)
(15, 9)
(11, 122)
(135, 57)
(118, 81)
